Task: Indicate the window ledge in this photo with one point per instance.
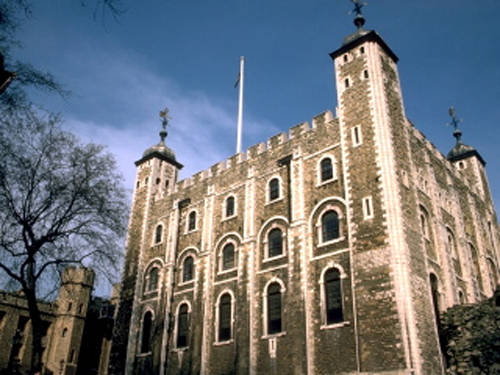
(274, 201)
(223, 272)
(335, 325)
(331, 242)
(184, 283)
(222, 343)
(183, 349)
(274, 335)
(191, 231)
(142, 355)
(276, 257)
(321, 183)
(227, 218)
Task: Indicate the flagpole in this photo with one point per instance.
(240, 105)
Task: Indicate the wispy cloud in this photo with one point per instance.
(203, 129)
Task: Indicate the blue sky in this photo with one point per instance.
(185, 54)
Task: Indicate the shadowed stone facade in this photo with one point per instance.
(372, 244)
(77, 335)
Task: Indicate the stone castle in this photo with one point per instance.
(77, 329)
(330, 249)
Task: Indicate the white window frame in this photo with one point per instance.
(162, 234)
(268, 189)
(321, 283)
(265, 308)
(319, 226)
(141, 331)
(217, 310)
(176, 326)
(224, 206)
(195, 221)
(265, 242)
(356, 136)
(367, 205)
(181, 267)
(220, 255)
(333, 160)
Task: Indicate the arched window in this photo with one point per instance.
(192, 221)
(151, 282)
(435, 295)
(326, 169)
(64, 332)
(493, 273)
(275, 242)
(475, 265)
(147, 323)
(333, 296)
(224, 329)
(158, 233)
(229, 206)
(188, 269)
(274, 189)
(183, 326)
(424, 224)
(330, 227)
(452, 248)
(228, 257)
(461, 297)
(274, 308)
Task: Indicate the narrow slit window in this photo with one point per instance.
(367, 208)
(356, 136)
(158, 233)
(362, 49)
(346, 83)
(274, 189)
(365, 74)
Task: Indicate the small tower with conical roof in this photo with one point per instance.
(468, 160)
(156, 175)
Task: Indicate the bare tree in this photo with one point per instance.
(61, 203)
(20, 76)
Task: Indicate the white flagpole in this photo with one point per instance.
(240, 105)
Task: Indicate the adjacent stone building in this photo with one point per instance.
(77, 329)
(329, 249)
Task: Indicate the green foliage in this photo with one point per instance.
(471, 337)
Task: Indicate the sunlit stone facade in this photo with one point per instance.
(328, 249)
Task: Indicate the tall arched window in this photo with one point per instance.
(158, 233)
(188, 269)
(274, 189)
(435, 295)
(275, 242)
(192, 221)
(183, 326)
(326, 169)
(493, 273)
(151, 282)
(330, 227)
(274, 308)
(475, 265)
(452, 248)
(224, 329)
(147, 323)
(228, 257)
(229, 207)
(333, 296)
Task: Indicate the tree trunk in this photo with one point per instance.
(36, 328)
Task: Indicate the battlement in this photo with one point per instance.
(252, 152)
(78, 275)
